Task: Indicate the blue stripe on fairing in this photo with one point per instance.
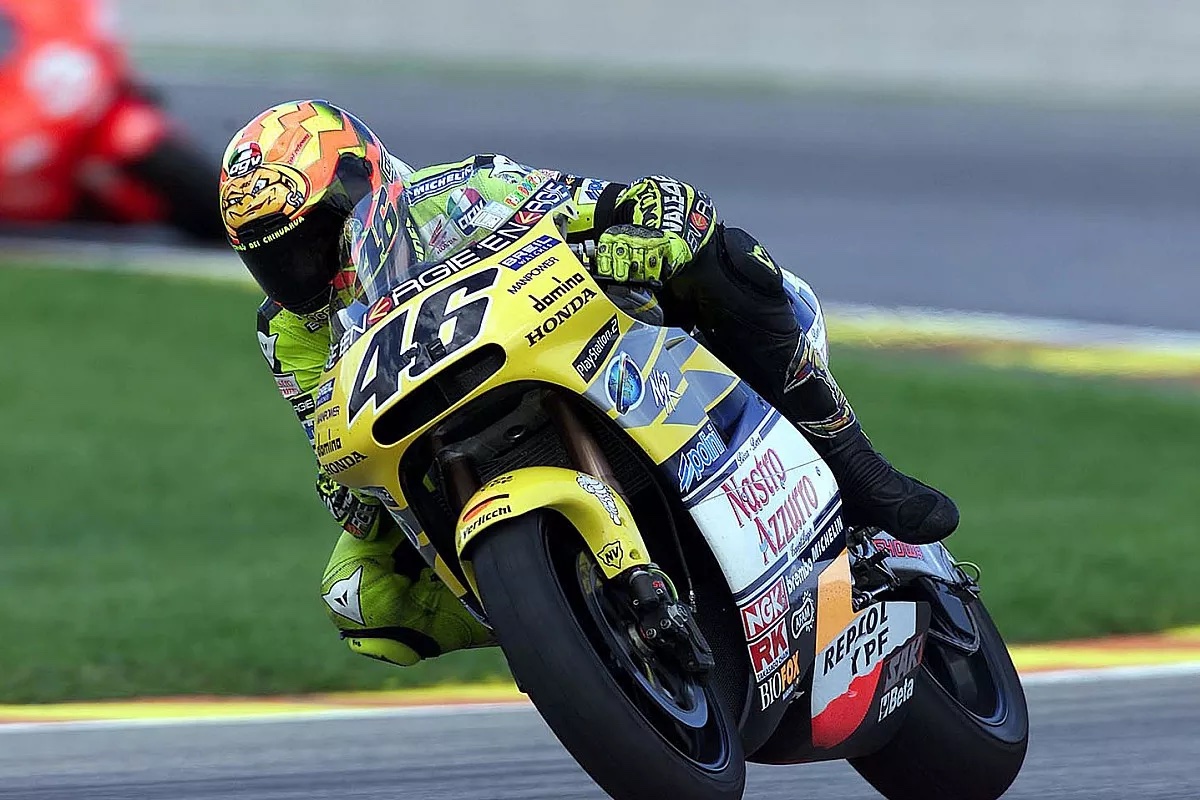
(749, 425)
(826, 517)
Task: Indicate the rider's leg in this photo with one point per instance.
(389, 606)
(734, 292)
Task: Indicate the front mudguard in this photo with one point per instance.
(597, 512)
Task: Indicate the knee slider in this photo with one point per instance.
(747, 262)
(381, 649)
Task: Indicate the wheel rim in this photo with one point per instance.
(676, 706)
(969, 679)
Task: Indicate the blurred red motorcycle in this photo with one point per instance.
(79, 139)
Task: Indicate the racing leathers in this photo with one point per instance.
(379, 592)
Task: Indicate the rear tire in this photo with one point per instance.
(533, 577)
(186, 182)
(944, 748)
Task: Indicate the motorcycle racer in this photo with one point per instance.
(289, 183)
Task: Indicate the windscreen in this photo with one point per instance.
(381, 250)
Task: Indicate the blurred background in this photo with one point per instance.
(996, 200)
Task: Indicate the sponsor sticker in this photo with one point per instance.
(780, 684)
(707, 448)
(660, 388)
(345, 462)
(597, 350)
(437, 183)
(599, 489)
(325, 392)
(561, 315)
(289, 387)
(537, 247)
(591, 190)
(624, 383)
(770, 650)
(766, 610)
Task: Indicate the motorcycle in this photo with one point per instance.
(80, 138)
(660, 554)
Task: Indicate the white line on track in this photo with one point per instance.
(1072, 676)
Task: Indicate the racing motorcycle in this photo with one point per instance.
(660, 554)
(81, 139)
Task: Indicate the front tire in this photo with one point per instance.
(543, 597)
(962, 739)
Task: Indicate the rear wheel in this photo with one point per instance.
(638, 727)
(967, 726)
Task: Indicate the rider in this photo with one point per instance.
(290, 179)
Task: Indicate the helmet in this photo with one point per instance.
(289, 181)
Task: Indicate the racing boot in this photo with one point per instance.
(734, 292)
(874, 493)
(390, 607)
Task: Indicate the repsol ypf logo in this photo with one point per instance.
(551, 323)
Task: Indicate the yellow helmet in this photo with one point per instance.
(289, 181)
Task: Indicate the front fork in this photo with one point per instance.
(665, 625)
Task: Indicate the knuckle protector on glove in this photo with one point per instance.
(747, 262)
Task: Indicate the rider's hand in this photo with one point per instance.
(637, 253)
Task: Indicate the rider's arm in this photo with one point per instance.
(296, 349)
(657, 202)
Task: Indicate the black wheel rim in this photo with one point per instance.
(677, 706)
(969, 679)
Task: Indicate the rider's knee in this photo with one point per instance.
(364, 599)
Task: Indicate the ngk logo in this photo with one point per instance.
(769, 608)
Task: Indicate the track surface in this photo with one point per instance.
(1075, 214)
(1105, 740)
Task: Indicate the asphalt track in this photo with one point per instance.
(1079, 214)
(1110, 739)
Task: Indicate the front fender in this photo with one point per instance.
(596, 511)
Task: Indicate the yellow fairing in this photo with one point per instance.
(596, 511)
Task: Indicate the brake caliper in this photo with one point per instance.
(667, 625)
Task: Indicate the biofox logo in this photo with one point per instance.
(768, 652)
(769, 608)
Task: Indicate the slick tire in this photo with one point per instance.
(542, 628)
(943, 750)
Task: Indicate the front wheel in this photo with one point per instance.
(967, 726)
(639, 728)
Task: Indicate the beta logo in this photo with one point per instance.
(894, 698)
(766, 610)
(769, 651)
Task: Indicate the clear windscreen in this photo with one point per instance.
(381, 252)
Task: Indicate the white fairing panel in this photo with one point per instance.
(760, 512)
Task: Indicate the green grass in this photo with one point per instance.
(159, 533)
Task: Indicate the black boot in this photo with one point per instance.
(874, 493)
(877, 494)
(734, 292)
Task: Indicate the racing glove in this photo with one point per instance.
(636, 253)
(683, 214)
